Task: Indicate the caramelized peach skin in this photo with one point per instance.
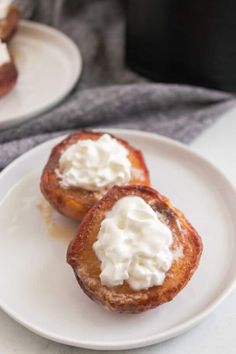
(123, 299)
(75, 202)
(8, 26)
(8, 77)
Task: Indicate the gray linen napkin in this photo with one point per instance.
(97, 26)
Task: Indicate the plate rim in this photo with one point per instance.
(154, 338)
(18, 119)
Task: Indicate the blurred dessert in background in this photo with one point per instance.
(9, 19)
(8, 71)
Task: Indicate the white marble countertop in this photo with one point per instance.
(216, 334)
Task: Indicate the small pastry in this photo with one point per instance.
(134, 251)
(84, 166)
(9, 19)
(8, 71)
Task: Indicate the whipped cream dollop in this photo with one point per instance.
(4, 54)
(133, 245)
(94, 164)
(4, 8)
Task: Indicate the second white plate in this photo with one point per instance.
(38, 288)
(49, 65)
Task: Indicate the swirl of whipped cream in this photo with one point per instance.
(133, 245)
(94, 164)
(4, 8)
(4, 54)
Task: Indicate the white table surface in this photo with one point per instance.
(216, 334)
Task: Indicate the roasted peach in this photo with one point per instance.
(8, 25)
(74, 202)
(186, 245)
(8, 77)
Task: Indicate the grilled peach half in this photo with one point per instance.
(187, 246)
(8, 25)
(75, 202)
(8, 77)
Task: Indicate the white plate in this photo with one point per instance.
(49, 65)
(38, 288)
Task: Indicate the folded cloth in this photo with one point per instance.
(97, 26)
(180, 112)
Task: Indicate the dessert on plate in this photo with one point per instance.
(9, 19)
(8, 71)
(134, 250)
(84, 166)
